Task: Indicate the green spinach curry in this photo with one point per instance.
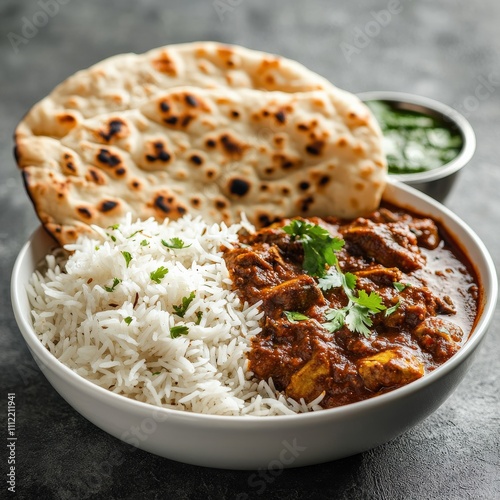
(414, 142)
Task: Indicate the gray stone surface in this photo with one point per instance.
(440, 49)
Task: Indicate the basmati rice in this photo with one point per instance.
(107, 312)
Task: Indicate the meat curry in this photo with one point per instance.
(396, 300)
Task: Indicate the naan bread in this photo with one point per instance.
(215, 147)
(125, 81)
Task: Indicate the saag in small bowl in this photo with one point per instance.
(426, 142)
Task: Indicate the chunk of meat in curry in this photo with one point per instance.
(436, 299)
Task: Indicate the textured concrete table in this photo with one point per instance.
(447, 50)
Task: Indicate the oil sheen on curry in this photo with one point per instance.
(353, 309)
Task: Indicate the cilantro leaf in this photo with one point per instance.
(392, 309)
(372, 302)
(400, 286)
(318, 245)
(358, 320)
(127, 256)
(332, 279)
(133, 234)
(357, 314)
(294, 316)
(178, 330)
(116, 282)
(181, 310)
(319, 252)
(350, 280)
(199, 315)
(144, 243)
(128, 320)
(175, 243)
(159, 274)
(336, 318)
(114, 227)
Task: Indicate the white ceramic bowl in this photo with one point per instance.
(268, 442)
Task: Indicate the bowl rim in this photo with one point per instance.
(49, 360)
(448, 113)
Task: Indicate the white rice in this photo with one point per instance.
(121, 340)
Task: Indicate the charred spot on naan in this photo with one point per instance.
(228, 145)
(85, 212)
(166, 204)
(135, 185)
(69, 164)
(227, 56)
(238, 187)
(112, 162)
(211, 172)
(178, 109)
(164, 63)
(157, 153)
(273, 114)
(110, 206)
(197, 159)
(65, 123)
(113, 130)
(95, 176)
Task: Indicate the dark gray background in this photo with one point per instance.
(440, 49)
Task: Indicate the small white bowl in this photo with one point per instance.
(267, 442)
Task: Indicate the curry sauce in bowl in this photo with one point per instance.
(399, 301)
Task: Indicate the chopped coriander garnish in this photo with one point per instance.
(320, 261)
(159, 274)
(127, 257)
(155, 373)
(319, 246)
(114, 227)
(181, 310)
(332, 279)
(335, 319)
(199, 315)
(178, 330)
(133, 234)
(350, 280)
(144, 243)
(392, 309)
(112, 237)
(356, 315)
(96, 248)
(116, 282)
(294, 316)
(128, 320)
(175, 243)
(400, 286)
